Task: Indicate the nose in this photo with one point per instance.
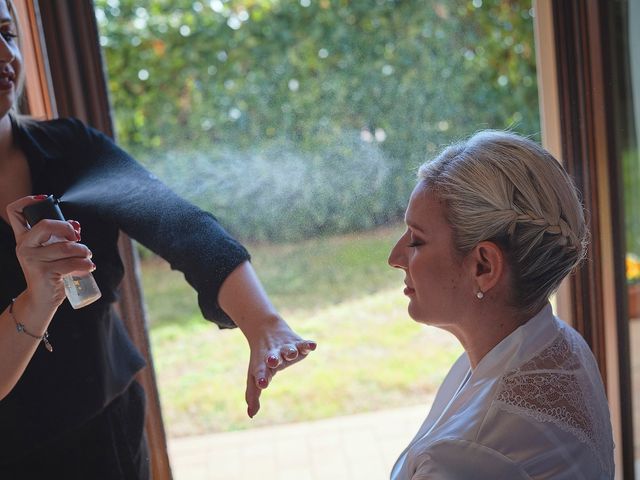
(397, 257)
(6, 52)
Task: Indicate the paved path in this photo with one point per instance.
(356, 447)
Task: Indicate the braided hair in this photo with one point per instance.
(501, 187)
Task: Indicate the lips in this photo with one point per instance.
(7, 79)
(408, 290)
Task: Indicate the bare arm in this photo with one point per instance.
(17, 348)
(273, 344)
(43, 268)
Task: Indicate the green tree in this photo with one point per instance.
(325, 81)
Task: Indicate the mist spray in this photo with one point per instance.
(81, 290)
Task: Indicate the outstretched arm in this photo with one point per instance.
(273, 344)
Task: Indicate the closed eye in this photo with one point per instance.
(414, 242)
(8, 36)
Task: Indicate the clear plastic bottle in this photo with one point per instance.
(81, 290)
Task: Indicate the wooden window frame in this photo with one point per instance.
(573, 66)
(65, 77)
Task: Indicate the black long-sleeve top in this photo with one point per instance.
(93, 359)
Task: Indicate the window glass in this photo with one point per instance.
(629, 133)
(300, 125)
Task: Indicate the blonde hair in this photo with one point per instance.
(504, 188)
(20, 83)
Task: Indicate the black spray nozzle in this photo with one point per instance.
(47, 208)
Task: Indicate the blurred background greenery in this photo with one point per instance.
(300, 124)
(296, 118)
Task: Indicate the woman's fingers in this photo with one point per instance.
(256, 382)
(274, 359)
(276, 349)
(62, 250)
(289, 353)
(53, 252)
(306, 346)
(252, 396)
(48, 232)
(73, 266)
(51, 249)
(16, 218)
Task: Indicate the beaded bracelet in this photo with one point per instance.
(21, 329)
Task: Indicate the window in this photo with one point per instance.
(300, 126)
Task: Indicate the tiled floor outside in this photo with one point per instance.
(355, 447)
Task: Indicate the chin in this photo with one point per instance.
(423, 317)
(416, 315)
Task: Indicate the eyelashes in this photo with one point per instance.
(9, 36)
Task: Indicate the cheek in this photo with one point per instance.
(423, 274)
(17, 62)
(433, 274)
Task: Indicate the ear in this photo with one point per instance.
(488, 264)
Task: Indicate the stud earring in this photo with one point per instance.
(480, 294)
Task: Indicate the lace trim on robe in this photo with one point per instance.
(548, 389)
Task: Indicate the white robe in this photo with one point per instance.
(533, 408)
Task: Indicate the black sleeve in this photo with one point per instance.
(190, 239)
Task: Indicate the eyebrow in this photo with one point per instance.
(414, 225)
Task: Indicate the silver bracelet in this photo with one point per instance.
(21, 329)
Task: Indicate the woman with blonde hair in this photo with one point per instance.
(493, 226)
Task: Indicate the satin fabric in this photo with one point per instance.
(470, 433)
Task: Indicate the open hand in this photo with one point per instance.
(275, 348)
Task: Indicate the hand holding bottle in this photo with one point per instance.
(48, 252)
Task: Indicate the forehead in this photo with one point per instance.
(425, 208)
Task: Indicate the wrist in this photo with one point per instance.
(31, 307)
(256, 327)
(22, 328)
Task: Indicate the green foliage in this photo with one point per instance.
(631, 179)
(320, 83)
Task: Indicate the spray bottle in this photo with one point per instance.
(81, 290)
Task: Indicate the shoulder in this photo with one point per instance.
(67, 139)
(54, 127)
(56, 137)
(64, 132)
(556, 401)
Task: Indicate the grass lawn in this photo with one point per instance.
(338, 291)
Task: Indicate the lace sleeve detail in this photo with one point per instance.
(553, 387)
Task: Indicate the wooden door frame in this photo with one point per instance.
(573, 39)
(65, 76)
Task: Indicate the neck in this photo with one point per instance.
(6, 137)
(486, 329)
